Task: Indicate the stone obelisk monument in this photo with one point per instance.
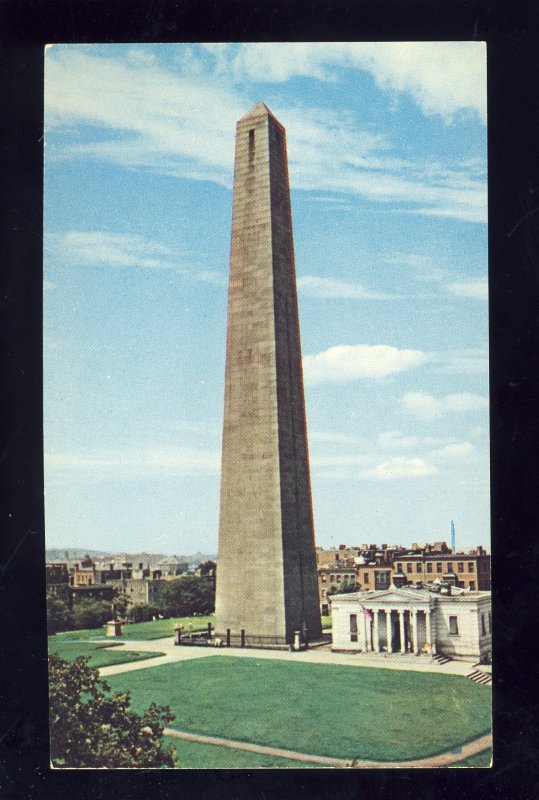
(266, 573)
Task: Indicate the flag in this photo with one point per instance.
(367, 612)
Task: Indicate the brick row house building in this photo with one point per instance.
(369, 568)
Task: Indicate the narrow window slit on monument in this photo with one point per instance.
(251, 142)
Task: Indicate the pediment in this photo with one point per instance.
(396, 597)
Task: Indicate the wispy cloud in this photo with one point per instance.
(443, 78)
(469, 361)
(459, 451)
(396, 440)
(182, 122)
(344, 363)
(399, 467)
(419, 267)
(426, 406)
(326, 288)
(82, 248)
(123, 250)
(118, 464)
(477, 289)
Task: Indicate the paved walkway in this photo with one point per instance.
(322, 655)
(441, 760)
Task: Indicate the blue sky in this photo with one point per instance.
(387, 154)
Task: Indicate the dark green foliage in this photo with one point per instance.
(345, 587)
(89, 727)
(184, 597)
(91, 613)
(59, 617)
(142, 612)
(207, 567)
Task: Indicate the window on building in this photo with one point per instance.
(472, 586)
(332, 578)
(381, 580)
(453, 626)
(471, 566)
(429, 566)
(450, 567)
(338, 578)
(251, 142)
(353, 627)
(365, 577)
(438, 566)
(460, 566)
(483, 627)
(399, 567)
(408, 567)
(418, 567)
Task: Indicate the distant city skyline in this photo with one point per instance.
(387, 150)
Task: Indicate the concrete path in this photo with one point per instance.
(441, 760)
(174, 653)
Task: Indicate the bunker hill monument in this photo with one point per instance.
(266, 576)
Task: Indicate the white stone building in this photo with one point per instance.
(414, 621)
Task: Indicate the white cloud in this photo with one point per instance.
(399, 467)
(442, 77)
(456, 451)
(421, 268)
(344, 363)
(325, 437)
(426, 406)
(477, 289)
(396, 440)
(335, 289)
(101, 248)
(182, 122)
(468, 361)
(82, 248)
(118, 464)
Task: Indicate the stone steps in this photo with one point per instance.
(441, 659)
(480, 677)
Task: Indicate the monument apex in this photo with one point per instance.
(266, 575)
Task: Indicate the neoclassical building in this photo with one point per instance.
(403, 620)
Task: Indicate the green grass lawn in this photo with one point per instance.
(193, 755)
(331, 710)
(326, 623)
(143, 631)
(99, 657)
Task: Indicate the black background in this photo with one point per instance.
(511, 30)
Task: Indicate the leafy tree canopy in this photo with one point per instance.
(142, 612)
(89, 613)
(59, 617)
(89, 727)
(345, 587)
(186, 596)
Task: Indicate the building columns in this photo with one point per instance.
(389, 631)
(375, 634)
(415, 616)
(402, 632)
(429, 631)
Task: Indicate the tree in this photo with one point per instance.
(346, 587)
(207, 568)
(142, 612)
(59, 617)
(89, 613)
(184, 597)
(91, 728)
